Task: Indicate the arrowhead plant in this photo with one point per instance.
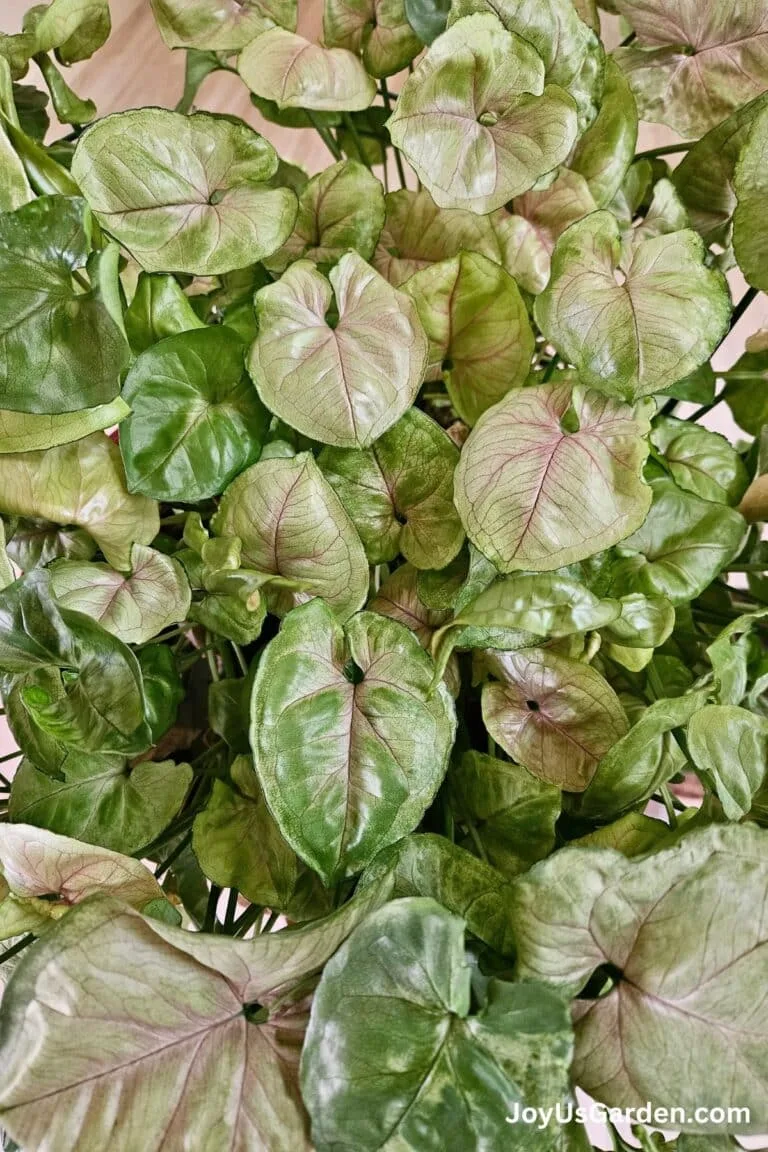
(378, 585)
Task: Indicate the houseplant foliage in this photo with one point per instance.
(367, 568)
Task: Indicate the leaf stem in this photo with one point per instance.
(747, 299)
(230, 915)
(209, 922)
(352, 127)
(550, 368)
(666, 797)
(628, 39)
(11, 756)
(387, 98)
(324, 134)
(475, 836)
(666, 150)
(270, 922)
(247, 919)
(240, 658)
(163, 867)
(16, 948)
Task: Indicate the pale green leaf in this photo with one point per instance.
(378, 30)
(33, 431)
(220, 25)
(296, 73)
(730, 746)
(605, 151)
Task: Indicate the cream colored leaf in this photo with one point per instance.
(295, 73)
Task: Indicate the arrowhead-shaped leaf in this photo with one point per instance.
(184, 193)
(606, 150)
(730, 745)
(81, 483)
(349, 746)
(415, 1060)
(220, 25)
(555, 716)
(524, 470)
(632, 325)
(480, 339)
(399, 493)
(295, 73)
(134, 608)
(196, 422)
(475, 119)
(376, 29)
(701, 461)
(344, 384)
(651, 921)
(286, 514)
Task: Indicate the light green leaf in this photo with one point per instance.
(376, 29)
(60, 348)
(184, 193)
(398, 598)
(339, 208)
(220, 25)
(100, 800)
(31, 432)
(514, 814)
(499, 130)
(163, 688)
(651, 921)
(729, 655)
(7, 575)
(730, 745)
(523, 472)
(77, 684)
(751, 190)
(704, 177)
(700, 461)
(572, 54)
(681, 547)
(35, 543)
(344, 384)
(427, 17)
(196, 422)
(36, 863)
(417, 234)
(666, 214)
(645, 758)
(193, 1012)
(347, 744)
(399, 493)
(296, 73)
(429, 865)
(688, 69)
(238, 845)
(632, 326)
(158, 309)
(633, 835)
(555, 716)
(415, 1061)
(134, 608)
(14, 186)
(746, 390)
(286, 514)
(74, 28)
(81, 483)
(606, 150)
(480, 338)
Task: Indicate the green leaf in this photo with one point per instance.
(417, 234)
(632, 325)
(399, 493)
(573, 56)
(348, 745)
(427, 17)
(645, 622)
(555, 716)
(339, 208)
(704, 178)
(514, 814)
(133, 608)
(220, 25)
(207, 212)
(700, 461)
(500, 130)
(35, 543)
(61, 348)
(729, 655)
(79, 685)
(415, 1061)
(730, 745)
(645, 758)
(196, 422)
(67, 105)
(192, 1011)
(746, 390)
(163, 689)
(751, 195)
(296, 73)
(100, 800)
(606, 150)
(379, 30)
(228, 709)
(430, 865)
(81, 483)
(522, 476)
(632, 835)
(681, 547)
(158, 309)
(238, 844)
(398, 598)
(688, 72)
(74, 28)
(286, 514)
(31, 432)
(346, 382)
(651, 920)
(480, 338)
(14, 186)
(36, 863)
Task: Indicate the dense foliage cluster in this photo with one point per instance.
(367, 575)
